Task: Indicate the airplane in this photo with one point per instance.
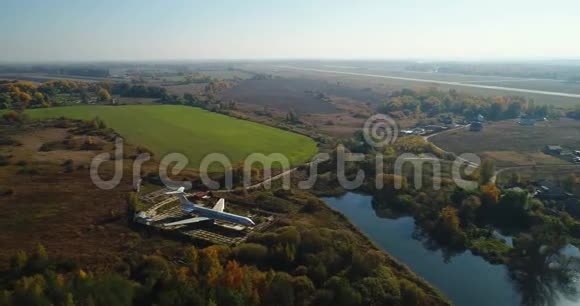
(215, 213)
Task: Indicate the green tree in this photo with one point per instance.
(303, 289)
(280, 290)
(486, 171)
(344, 293)
(569, 182)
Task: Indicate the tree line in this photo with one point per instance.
(409, 103)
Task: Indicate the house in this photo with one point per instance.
(549, 191)
(434, 128)
(572, 207)
(527, 121)
(201, 195)
(447, 120)
(553, 150)
(475, 126)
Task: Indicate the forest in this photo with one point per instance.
(290, 266)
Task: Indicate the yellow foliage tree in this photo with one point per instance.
(103, 95)
(450, 219)
(490, 193)
(233, 275)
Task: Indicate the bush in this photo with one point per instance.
(26, 170)
(68, 166)
(7, 141)
(312, 205)
(411, 294)
(5, 191)
(4, 161)
(251, 252)
(268, 202)
(14, 117)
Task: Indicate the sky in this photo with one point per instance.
(107, 30)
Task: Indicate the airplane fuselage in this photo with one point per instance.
(217, 215)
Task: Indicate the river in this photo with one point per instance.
(468, 280)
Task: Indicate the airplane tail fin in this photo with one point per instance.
(220, 205)
(180, 193)
(180, 190)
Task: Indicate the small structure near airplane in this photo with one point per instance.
(205, 214)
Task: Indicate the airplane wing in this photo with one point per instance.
(186, 221)
(220, 205)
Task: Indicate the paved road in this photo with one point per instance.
(460, 84)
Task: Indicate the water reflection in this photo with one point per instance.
(540, 274)
(545, 274)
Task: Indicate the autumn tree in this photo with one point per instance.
(103, 95)
(233, 275)
(449, 219)
(210, 266)
(490, 193)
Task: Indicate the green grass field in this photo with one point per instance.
(191, 131)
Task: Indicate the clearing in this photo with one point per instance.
(511, 144)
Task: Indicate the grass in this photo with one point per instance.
(225, 74)
(486, 246)
(511, 144)
(190, 131)
(219, 75)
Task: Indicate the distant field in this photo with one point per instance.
(214, 74)
(511, 144)
(43, 77)
(226, 74)
(191, 131)
(385, 85)
(296, 93)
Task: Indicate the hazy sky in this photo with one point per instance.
(177, 29)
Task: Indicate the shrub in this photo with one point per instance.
(7, 141)
(4, 161)
(270, 203)
(28, 170)
(68, 166)
(251, 252)
(411, 294)
(5, 191)
(312, 205)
